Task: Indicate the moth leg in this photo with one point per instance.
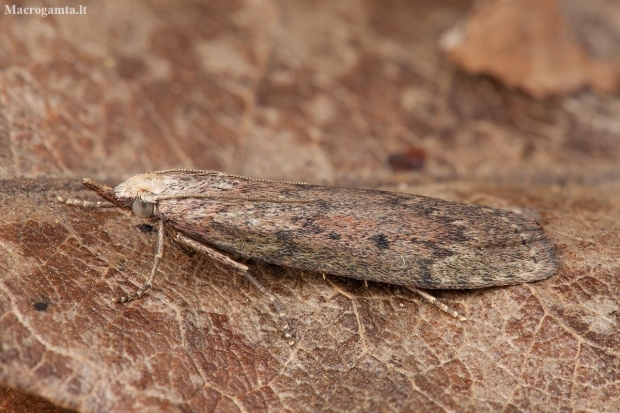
(158, 255)
(245, 271)
(187, 249)
(436, 302)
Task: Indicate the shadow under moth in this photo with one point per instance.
(371, 235)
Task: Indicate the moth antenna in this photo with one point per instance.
(229, 198)
(223, 174)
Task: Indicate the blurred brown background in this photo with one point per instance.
(505, 103)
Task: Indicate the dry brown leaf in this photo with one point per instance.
(323, 92)
(203, 341)
(529, 44)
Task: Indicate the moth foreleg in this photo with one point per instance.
(158, 255)
(245, 271)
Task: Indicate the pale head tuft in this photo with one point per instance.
(143, 186)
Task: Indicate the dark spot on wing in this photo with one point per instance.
(381, 241)
(427, 210)
(284, 236)
(310, 227)
(321, 204)
(436, 248)
(427, 280)
(334, 236)
(288, 247)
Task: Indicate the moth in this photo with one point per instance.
(371, 235)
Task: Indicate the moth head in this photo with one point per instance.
(139, 193)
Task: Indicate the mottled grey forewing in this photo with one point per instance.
(375, 235)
